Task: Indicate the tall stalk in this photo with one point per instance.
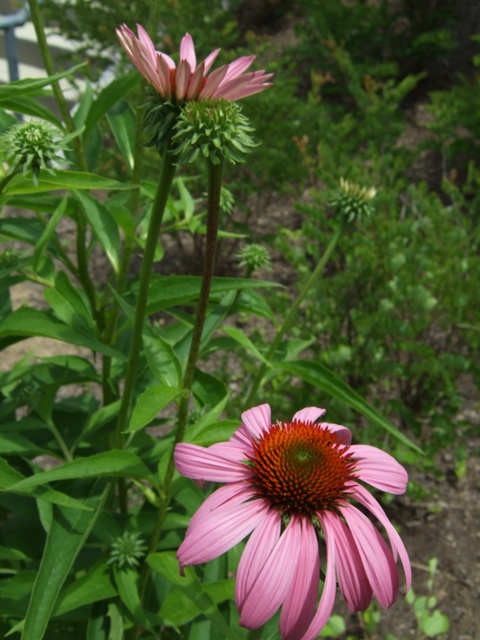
(165, 182)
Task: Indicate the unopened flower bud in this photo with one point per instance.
(214, 129)
(353, 202)
(127, 550)
(254, 256)
(32, 146)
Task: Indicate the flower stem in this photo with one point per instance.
(213, 212)
(290, 317)
(166, 177)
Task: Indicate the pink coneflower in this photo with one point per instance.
(189, 81)
(284, 484)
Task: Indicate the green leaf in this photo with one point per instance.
(31, 107)
(435, 624)
(70, 305)
(108, 97)
(48, 232)
(178, 608)
(150, 403)
(28, 86)
(103, 226)
(166, 564)
(126, 581)
(109, 463)
(25, 323)
(62, 180)
(68, 533)
(122, 123)
(244, 341)
(323, 378)
(10, 477)
(94, 586)
(169, 291)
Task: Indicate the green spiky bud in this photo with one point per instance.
(32, 146)
(127, 550)
(254, 256)
(159, 120)
(214, 129)
(353, 202)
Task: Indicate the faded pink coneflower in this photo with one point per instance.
(189, 81)
(284, 484)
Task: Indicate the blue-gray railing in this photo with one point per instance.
(8, 25)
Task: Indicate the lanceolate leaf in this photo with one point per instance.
(69, 531)
(323, 378)
(150, 403)
(61, 180)
(108, 463)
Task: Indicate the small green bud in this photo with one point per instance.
(214, 129)
(352, 201)
(32, 146)
(127, 550)
(254, 256)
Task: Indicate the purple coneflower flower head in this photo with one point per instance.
(189, 81)
(290, 485)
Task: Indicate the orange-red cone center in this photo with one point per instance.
(300, 468)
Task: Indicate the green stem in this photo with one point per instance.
(57, 92)
(290, 317)
(213, 213)
(166, 177)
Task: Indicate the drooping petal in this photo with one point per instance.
(368, 501)
(222, 530)
(309, 414)
(257, 419)
(228, 494)
(377, 558)
(351, 575)
(274, 578)
(327, 599)
(199, 463)
(299, 605)
(255, 554)
(242, 87)
(187, 51)
(380, 469)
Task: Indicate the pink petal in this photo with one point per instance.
(196, 82)
(299, 605)
(187, 51)
(255, 554)
(377, 558)
(163, 72)
(330, 587)
(213, 80)
(228, 494)
(238, 66)
(199, 463)
(379, 469)
(182, 77)
(274, 578)
(147, 44)
(368, 501)
(352, 578)
(309, 414)
(257, 419)
(238, 94)
(343, 435)
(226, 527)
(210, 59)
